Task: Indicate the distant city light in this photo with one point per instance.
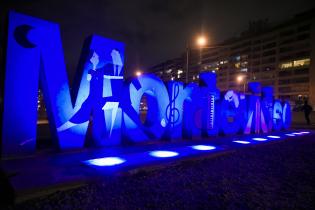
(289, 134)
(163, 154)
(242, 142)
(106, 161)
(138, 73)
(260, 139)
(203, 147)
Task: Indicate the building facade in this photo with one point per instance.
(282, 56)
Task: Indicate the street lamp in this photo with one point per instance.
(201, 41)
(138, 73)
(240, 79)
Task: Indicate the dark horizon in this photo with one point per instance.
(149, 28)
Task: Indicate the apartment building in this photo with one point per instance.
(282, 55)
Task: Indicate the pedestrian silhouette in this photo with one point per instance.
(307, 111)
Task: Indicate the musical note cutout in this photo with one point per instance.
(172, 113)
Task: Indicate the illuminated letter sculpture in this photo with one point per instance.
(178, 98)
(232, 112)
(35, 54)
(210, 94)
(102, 100)
(158, 100)
(256, 118)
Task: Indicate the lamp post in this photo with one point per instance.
(240, 79)
(201, 41)
(187, 62)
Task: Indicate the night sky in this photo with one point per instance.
(153, 30)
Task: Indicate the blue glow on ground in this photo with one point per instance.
(260, 139)
(305, 132)
(120, 161)
(163, 153)
(297, 133)
(106, 161)
(274, 137)
(242, 142)
(203, 147)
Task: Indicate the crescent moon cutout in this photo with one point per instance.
(20, 35)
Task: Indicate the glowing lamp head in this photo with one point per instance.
(138, 73)
(201, 41)
(240, 78)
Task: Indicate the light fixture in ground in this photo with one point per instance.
(260, 139)
(274, 137)
(241, 142)
(305, 132)
(105, 161)
(203, 147)
(163, 153)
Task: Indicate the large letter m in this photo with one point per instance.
(35, 57)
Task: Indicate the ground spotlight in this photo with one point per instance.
(274, 137)
(305, 132)
(260, 139)
(163, 153)
(203, 147)
(242, 142)
(106, 161)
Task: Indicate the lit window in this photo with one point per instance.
(179, 71)
(286, 65)
(296, 63)
(237, 65)
(302, 62)
(244, 63)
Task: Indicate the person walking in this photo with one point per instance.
(307, 111)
